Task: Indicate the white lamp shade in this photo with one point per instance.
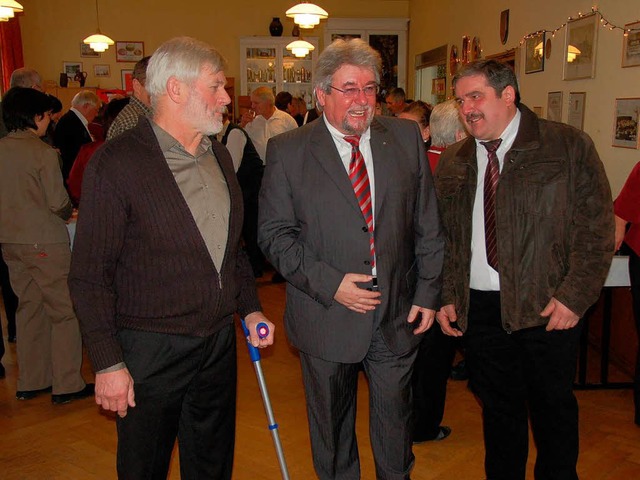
(98, 42)
(12, 4)
(300, 48)
(306, 15)
(6, 13)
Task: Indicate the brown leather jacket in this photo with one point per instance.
(554, 221)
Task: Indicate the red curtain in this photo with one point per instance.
(10, 50)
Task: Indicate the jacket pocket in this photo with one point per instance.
(546, 187)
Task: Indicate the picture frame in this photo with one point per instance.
(129, 51)
(580, 47)
(538, 112)
(87, 52)
(577, 102)
(631, 45)
(625, 123)
(71, 68)
(102, 70)
(554, 106)
(126, 76)
(438, 86)
(534, 53)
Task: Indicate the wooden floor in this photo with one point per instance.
(77, 441)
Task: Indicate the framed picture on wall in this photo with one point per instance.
(625, 122)
(71, 68)
(554, 106)
(102, 70)
(580, 44)
(126, 77)
(631, 45)
(88, 52)
(129, 51)
(576, 109)
(534, 53)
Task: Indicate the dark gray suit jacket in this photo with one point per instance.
(312, 230)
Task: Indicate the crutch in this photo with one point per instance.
(254, 354)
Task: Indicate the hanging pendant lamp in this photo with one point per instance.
(98, 42)
(307, 15)
(300, 48)
(8, 9)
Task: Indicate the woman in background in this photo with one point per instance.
(627, 210)
(34, 206)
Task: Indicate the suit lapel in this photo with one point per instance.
(323, 149)
(381, 146)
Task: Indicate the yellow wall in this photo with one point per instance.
(437, 23)
(53, 29)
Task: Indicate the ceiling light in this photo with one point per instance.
(97, 42)
(307, 15)
(13, 5)
(300, 48)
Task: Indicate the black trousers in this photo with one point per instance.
(185, 387)
(430, 375)
(331, 392)
(634, 275)
(521, 376)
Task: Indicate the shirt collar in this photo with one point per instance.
(508, 135)
(167, 142)
(338, 136)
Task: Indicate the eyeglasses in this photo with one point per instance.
(351, 93)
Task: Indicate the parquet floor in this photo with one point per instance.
(76, 441)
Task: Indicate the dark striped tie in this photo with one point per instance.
(491, 177)
(360, 183)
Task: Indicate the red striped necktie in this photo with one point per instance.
(360, 183)
(491, 177)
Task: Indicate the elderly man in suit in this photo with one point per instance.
(348, 216)
(72, 130)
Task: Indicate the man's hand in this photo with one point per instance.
(355, 298)
(114, 391)
(251, 321)
(425, 322)
(445, 317)
(561, 318)
(247, 117)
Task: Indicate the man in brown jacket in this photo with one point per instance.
(526, 208)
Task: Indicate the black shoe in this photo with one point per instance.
(29, 394)
(277, 278)
(459, 371)
(63, 398)
(443, 433)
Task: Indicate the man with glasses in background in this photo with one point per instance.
(348, 216)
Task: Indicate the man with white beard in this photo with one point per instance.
(158, 273)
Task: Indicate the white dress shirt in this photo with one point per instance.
(484, 277)
(344, 150)
(260, 129)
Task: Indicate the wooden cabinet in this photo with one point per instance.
(265, 61)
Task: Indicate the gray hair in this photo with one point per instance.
(25, 77)
(397, 94)
(85, 96)
(264, 94)
(341, 52)
(182, 58)
(445, 123)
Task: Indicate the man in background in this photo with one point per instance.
(348, 216)
(527, 211)
(139, 105)
(72, 130)
(396, 101)
(158, 274)
(264, 120)
(249, 170)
